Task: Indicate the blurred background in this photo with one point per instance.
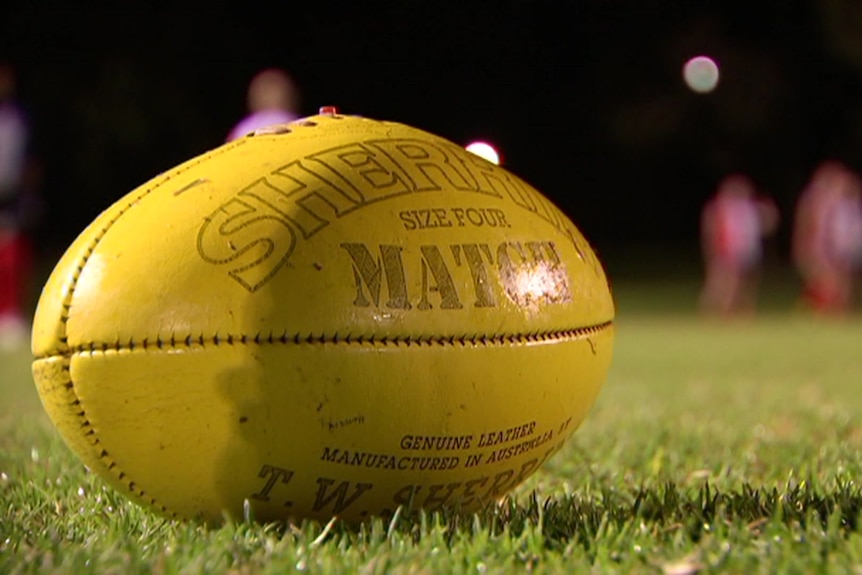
(584, 99)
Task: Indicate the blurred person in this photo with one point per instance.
(827, 237)
(15, 251)
(272, 99)
(734, 223)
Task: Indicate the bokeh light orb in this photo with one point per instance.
(701, 74)
(484, 150)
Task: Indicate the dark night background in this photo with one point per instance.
(584, 98)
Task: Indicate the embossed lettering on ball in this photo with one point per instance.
(332, 317)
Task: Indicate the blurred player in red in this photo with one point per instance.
(272, 99)
(827, 237)
(733, 225)
(15, 256)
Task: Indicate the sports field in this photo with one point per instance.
(714, 447)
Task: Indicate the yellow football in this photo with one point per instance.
(333, 317)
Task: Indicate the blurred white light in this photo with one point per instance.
(484, 150)
(701, 74)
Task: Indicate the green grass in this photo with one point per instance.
(714, 447)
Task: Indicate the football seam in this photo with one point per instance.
(284, 338)
(86, 427)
